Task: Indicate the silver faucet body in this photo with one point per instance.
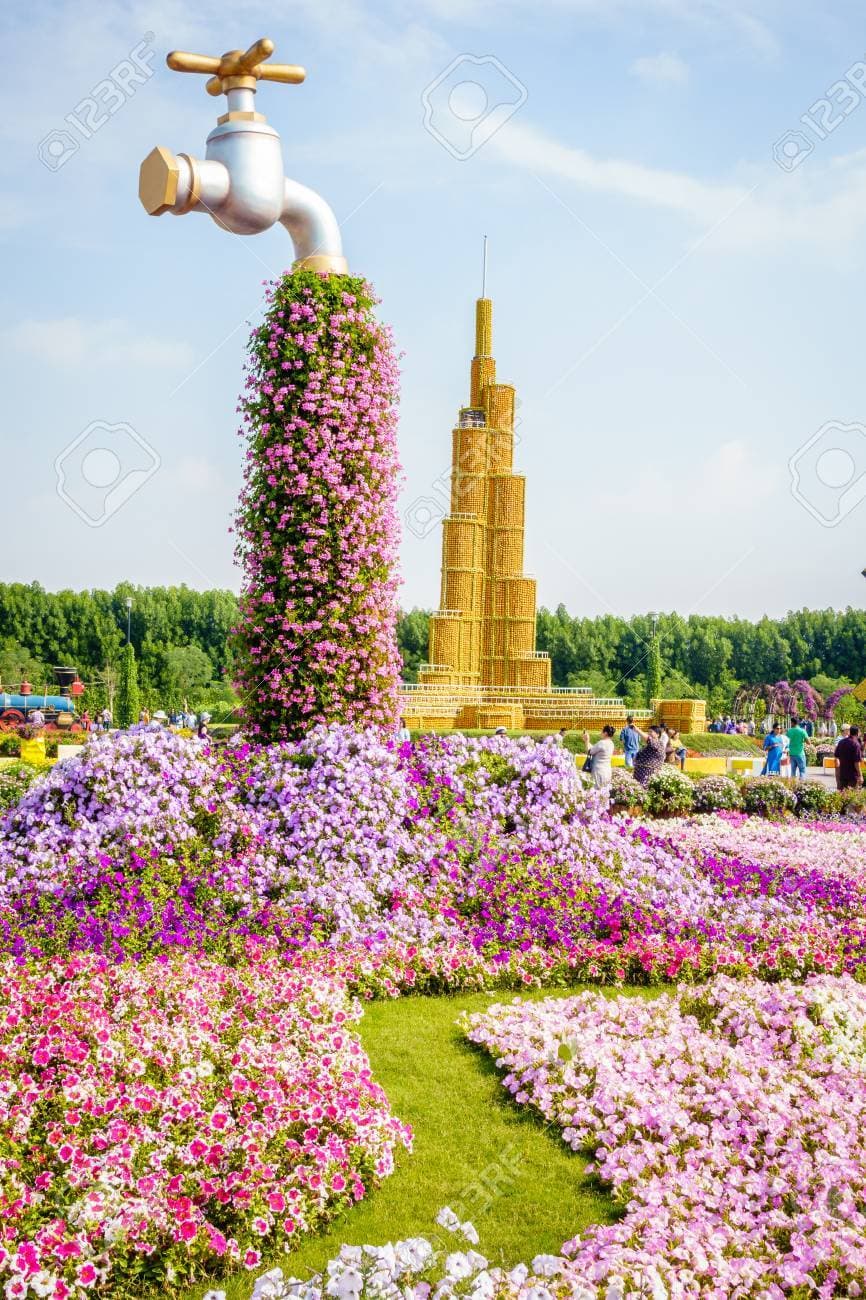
(241, 184)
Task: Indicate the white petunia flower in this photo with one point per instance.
(547, 1265)
(446, 1218)
(458, 1267)
(346, 1285)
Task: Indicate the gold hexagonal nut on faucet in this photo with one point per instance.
(157, 181)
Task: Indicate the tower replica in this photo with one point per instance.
(484, 669)
(484, 633)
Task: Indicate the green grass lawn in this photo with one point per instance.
(474, 1149)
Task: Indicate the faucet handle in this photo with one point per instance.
(238, 69)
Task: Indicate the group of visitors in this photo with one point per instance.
(104, 720)
(789, 745)
(644, 752)
(729, 726)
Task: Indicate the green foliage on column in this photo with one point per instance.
(128, 702)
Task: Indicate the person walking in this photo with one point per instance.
(630, 738)
(86, 722)
(849, 756)
(601, 753)
(651, 758)
(774, 745)
(797, 737)
(36, 718)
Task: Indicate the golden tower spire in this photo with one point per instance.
(483, 634)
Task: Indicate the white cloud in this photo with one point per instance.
(70, 341)
(661, 69)
(822, 204)
(524, 146)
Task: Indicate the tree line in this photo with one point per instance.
(702, 655)
(182, 643)
(181, 640)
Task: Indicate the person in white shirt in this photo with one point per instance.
(601, 753)
(403, 736)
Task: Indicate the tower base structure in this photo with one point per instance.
(484, 670)
(570, 708)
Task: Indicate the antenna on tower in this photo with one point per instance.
(484, 268)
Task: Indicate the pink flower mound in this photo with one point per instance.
(158, 1119)
(317, 522)
(729, 1121)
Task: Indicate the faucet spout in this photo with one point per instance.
(313, 229)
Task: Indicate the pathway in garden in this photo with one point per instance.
(467, 1133)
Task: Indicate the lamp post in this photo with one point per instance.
(128, 618)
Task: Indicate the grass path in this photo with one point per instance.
(465, 1129)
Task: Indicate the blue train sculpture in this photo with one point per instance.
(58, 711)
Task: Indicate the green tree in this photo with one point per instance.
(186, 672)
(128, 700)
(413, 636)
(654, 670)
(17, 663)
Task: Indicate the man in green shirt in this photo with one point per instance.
(797, 737)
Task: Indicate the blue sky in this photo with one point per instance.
(681, 313)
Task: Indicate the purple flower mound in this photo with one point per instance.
(138, 790)
(317, 522)
(451, 863)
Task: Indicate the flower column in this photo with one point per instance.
(317, 522)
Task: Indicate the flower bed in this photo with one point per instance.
(727, 1120)
(416, 1267)
(457, 863)
(162, 1120)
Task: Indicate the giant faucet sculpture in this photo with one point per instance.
(240, 182)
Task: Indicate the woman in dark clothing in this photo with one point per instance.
(849, 754)
(649, 759)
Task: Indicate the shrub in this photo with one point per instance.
(670, 792)
(625, 791)
(815, 800)
(717, 792)
(317, 522)
(853, 802)
(15, 780)
(768, 796)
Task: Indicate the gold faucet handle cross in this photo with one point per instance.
(238, 69)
